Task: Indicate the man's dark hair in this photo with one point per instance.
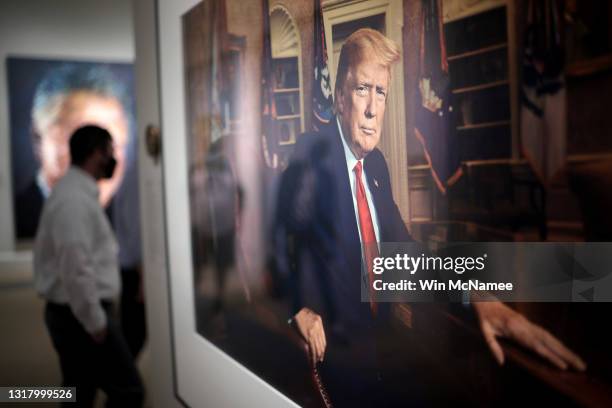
(85, 141)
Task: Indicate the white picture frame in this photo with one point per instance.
(203, 374)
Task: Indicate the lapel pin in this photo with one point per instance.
(376, 183)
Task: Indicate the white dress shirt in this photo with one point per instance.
(75, 253)
(351, 162)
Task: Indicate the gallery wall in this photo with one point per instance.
(67, 29)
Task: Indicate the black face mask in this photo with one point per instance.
(109, 168)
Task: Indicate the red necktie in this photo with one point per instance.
(368, 236)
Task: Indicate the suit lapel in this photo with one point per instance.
(378, 195)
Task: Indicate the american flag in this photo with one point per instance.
(322, 98)
(434, 123)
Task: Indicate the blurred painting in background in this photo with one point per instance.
(49, 100)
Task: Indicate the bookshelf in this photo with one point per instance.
(287, 84)
(483, 71)
(481, 80)
(287, 99)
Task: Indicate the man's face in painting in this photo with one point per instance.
(70, 113)
(361, 106)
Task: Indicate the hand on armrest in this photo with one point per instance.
(310, 326)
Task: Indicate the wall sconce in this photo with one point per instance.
(153, 141)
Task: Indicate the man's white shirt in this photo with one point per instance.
(75, 253)
(351, 161)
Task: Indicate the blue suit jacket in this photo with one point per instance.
(318, 228)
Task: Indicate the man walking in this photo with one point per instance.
(76, 270)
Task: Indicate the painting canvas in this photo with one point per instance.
(260, 215)
(249, 97)
(49, 100)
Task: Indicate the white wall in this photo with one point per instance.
(70, 29)
(152, 210)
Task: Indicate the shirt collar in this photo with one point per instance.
(351, 160)
(84, 180)
(42, 185)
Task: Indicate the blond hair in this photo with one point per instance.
(365, 44)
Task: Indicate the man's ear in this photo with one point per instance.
(339, 99)
(35, 139)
